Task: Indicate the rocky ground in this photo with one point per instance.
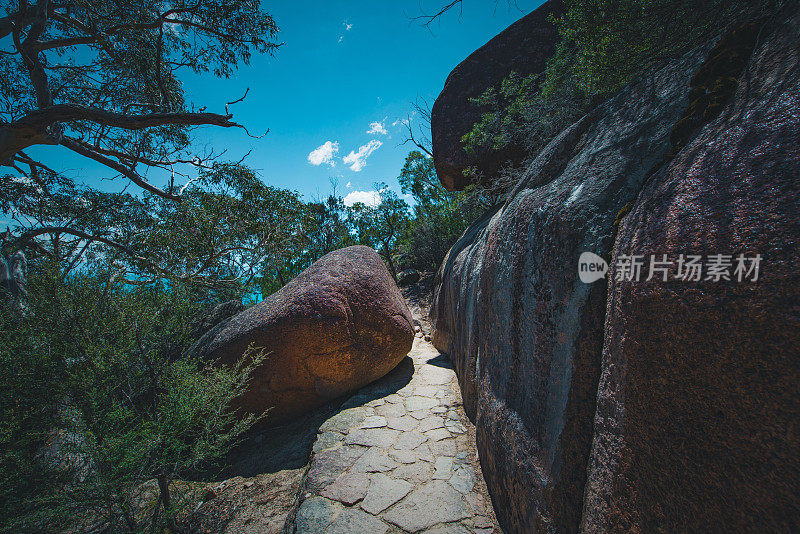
(399, 456)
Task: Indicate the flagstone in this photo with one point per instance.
(433, 503)
(383, 492)
(348, 489)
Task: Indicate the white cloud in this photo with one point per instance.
(357, 160)
(324, 154)
(349, 185)
(377, 128)
(368, 198)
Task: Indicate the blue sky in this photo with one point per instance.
(344, 66)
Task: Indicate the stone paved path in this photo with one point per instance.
(399, 457)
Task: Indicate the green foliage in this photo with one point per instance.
(319, 227)
(404, 237)
(520, 116)
(418, 179)
(130, 59)
(228, 228)
(97, 398)
(31, 385)
(439, 216)
(380, 226)
(605, 45)
(325, 227)
(102, 79)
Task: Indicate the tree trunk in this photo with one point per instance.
(387, 254)
(163, 486)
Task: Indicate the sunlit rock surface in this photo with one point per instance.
(337, 326)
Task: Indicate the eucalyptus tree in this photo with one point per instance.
(380, 226)
(101, 80)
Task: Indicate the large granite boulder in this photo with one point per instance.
(697, 400)
(337, 326)
(699, 406)
(524, 333)
(524, 48)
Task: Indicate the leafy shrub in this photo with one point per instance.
(439, 216)
(97, 398)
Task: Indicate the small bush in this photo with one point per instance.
(98, 398)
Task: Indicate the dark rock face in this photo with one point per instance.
(698, 407)
(524, 333)
(339, 325)
(643, 406)
(408, 277)
(523, 47)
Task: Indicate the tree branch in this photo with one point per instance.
(86, 150)
(30, 54)
(427, 20)
(61, 43)
(28, 236)
(33, 128)
(410, 138)
(75, 112)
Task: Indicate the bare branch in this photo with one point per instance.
(422, 108)
(87, 150)
(75, 112)
(427, 20)
(161, 163)
(236, 101)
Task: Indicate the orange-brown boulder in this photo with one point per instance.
(339, 325)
